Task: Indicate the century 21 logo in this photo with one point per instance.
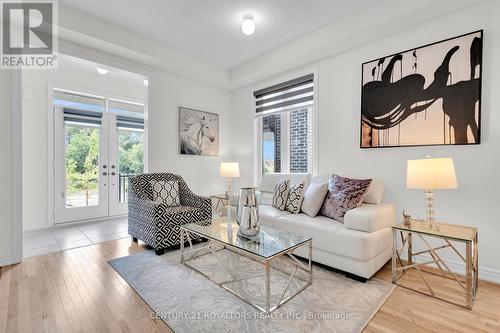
(27, 28)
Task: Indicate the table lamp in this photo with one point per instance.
(431, 174)
(229, 170)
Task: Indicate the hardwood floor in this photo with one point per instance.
(77, 291)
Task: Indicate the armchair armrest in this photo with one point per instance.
(370, 218)
(198, 201)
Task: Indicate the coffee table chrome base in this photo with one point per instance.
(189, 254)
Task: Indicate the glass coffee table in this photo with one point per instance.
(267, 247)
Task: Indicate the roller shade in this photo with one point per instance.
(298, 92)
(129, 122)
(128, 115)
(126, 108)
(75, 101)
(82, 116)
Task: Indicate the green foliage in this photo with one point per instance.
(131, 152)
(82, 159)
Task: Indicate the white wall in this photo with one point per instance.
(5, 167)
(337, 84)
(167, 92)
(35, 122)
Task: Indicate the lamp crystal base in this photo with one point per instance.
(429, 209)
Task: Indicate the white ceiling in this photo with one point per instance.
(89, 67)
(210, 29)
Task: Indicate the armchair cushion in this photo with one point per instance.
(166, 191)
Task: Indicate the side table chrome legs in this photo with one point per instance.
(432, 257)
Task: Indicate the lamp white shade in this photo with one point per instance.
(230, 169)
(431, 174)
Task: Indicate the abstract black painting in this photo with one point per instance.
(430, 95)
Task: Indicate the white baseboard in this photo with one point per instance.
(458, 267)
(5, 261)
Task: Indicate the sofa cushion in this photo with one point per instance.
(343, 195)
(370, 218)
(295, 197)
(269, 180)
(313, 198)
(166, 191)
(268, 214)
(281, 194)
(374, 195)
(333, 237)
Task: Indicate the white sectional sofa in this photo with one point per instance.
(359, 246)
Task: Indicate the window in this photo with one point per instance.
(284, 116)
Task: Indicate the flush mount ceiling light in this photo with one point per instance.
(102, 71)
(248, 24)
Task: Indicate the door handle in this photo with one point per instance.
(113, 173)
(104, 173)
(104, 166)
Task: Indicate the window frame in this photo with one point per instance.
(285, 141)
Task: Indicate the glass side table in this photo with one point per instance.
(447, 233)
(219, 202)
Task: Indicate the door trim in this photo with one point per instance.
(17, 168)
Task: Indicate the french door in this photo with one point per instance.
(95, 154)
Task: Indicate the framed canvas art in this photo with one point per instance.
(429, 95)
(198, 132)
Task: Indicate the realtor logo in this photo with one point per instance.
(29, 38)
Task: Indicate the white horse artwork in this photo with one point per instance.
(199, 132)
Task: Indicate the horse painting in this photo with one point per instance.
(199, 132)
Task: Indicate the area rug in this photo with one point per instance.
(189, 302)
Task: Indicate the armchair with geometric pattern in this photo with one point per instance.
(157, 224)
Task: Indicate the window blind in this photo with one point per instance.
(129, 122)
(126, 108)
(82, 116)
(298, 92)
(78, 102)
(128, 115)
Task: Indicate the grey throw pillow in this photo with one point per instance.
(295, 197)
(313, 198)
(281, 194)
(166, 191)
(343, 195)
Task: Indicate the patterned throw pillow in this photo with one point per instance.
(295, 197)
(166, 191)
(343, 195)
(281, 194)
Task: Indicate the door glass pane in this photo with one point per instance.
(82, 165)
(271, 143)
(130, 158)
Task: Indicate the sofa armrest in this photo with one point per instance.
(370, 218)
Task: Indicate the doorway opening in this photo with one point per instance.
(98, 145)
(84, 136)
